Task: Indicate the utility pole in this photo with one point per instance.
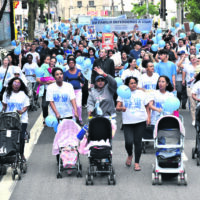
(147, 8)
(122, 4)
(112, 8)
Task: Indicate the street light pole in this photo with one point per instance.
(147, 8)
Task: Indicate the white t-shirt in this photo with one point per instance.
(135, 107)
(17, 101)
(126, 73)
(61, 96)
(9, 74)
(196, 89)
(159, 99)
(189, 70)
(35, 54)
(29, 69)
(148, 82)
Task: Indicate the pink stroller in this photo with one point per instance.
(66, 145)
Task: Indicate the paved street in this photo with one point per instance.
(40, 182)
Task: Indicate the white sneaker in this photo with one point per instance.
(193, 123)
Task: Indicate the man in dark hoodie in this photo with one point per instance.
(105, 63)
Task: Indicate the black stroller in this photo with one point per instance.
(10, 128)
(196, 149)
(100, 156)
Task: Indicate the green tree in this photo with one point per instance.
(33, 8)
(192, 7)
(140, 10)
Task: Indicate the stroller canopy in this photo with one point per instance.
(169, 122)
(99, 129)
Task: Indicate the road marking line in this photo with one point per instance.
(7, 185)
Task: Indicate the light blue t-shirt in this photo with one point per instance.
(166, 69)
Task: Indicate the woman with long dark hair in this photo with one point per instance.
(158, 97)
(15, 99)
(135, 116)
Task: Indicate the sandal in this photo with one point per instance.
(129, 161)
(137, 167)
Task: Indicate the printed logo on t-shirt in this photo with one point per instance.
(12, 106)
(60, 98)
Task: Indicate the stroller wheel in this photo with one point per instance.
(185, 179)
(160, 179)
(193, 153)
(24, 168)
(153, 178)
(198, 161)
(19, 174)
(109, 179)
(13, 174)
(179, 179)
(59, 175)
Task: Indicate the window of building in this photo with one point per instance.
(79, 4)
(91, 3)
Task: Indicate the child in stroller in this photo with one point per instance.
(65, 146)
(10, 128)
(169, 136)
(100, 150)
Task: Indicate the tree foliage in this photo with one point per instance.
(192, 7)
(140, 10)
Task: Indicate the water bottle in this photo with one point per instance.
(82, 132)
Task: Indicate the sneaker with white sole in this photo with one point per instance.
(193, 123)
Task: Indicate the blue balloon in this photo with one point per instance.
(44, 36)
(85, 34)
(172, 29)
(39, 72)
(159, 37)
(65, 32)
(60, 28)
(197, 28)
(161, 43)
(171, 104)
(121, 71)
(97, 54)
(106, 29)
(138, 61)
(159, 31)
(47, 29)
(60, 58)
(52, 31)
(62, 24)
(87, 64)
(177, 24)
(154, 40)
(85, 50)
(198, 45)
(183, 27)
(13, 43)
(154, 47)
(182, 35)
(124, 91)
(51, 121)
(126, 65)
(80, 60)
(191, 24)
(54, 26)
(99, 35)
(55, 128)
(51, 45)
(119, 81)
(87, 73)
(17, 50)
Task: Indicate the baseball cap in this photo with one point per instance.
(181, 52)
(98, 77)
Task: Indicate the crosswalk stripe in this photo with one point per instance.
(7, 185)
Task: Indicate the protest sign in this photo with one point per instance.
(123, 24)
(91, 32)
(108, 40)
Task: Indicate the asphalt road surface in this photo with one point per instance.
(40, 182)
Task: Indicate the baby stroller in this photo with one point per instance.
(169, 136)
(100, 150)
(10, 128)
(147, 137)
(196, 149)
(66, 146)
